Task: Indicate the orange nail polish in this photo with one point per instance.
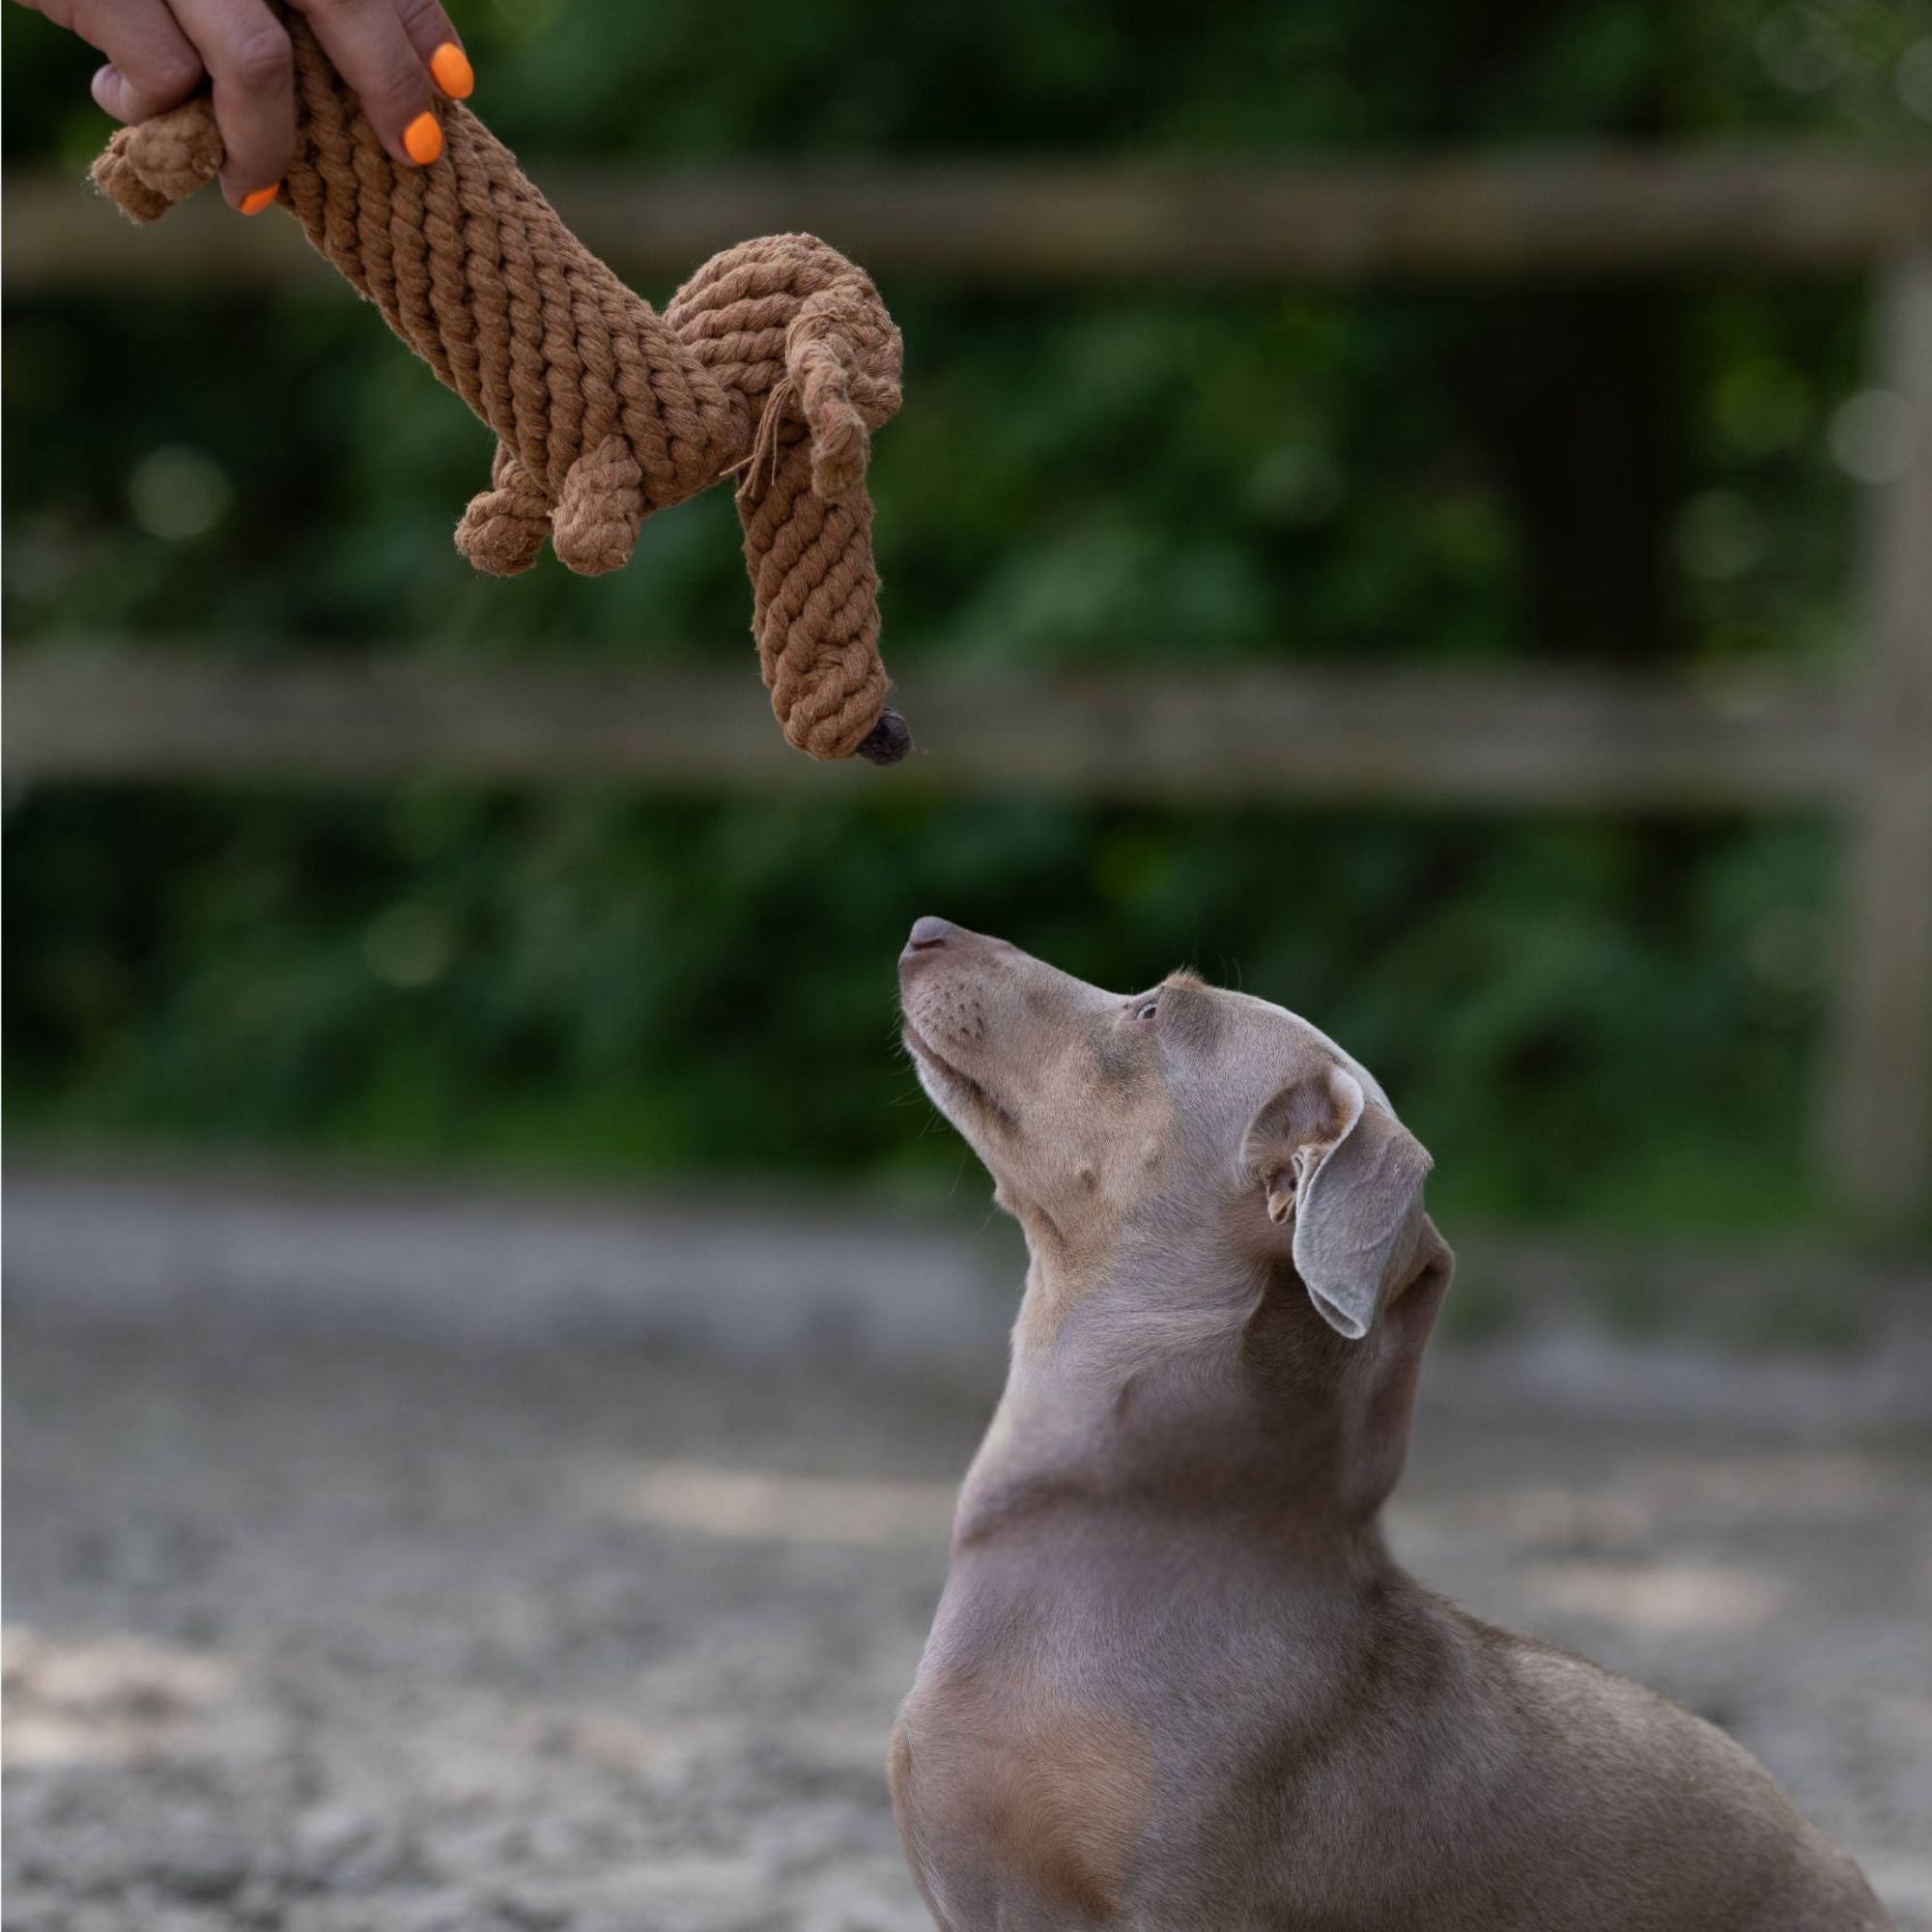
(253, 204)
(450, 66)
(422, 139)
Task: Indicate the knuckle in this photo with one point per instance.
(262, 58)
(397, 91)
(171, 76)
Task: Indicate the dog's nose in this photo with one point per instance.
(928, 935)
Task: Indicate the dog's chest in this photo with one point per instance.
(1009, 1792)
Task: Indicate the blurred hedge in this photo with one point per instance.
(1583, 1019)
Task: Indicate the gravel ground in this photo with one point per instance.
(335, 1637)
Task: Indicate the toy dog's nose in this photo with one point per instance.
(928, 935)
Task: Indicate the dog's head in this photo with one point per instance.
(1182, 1111)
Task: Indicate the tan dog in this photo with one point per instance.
(1175, 1681)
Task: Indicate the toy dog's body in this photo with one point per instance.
(1175, 1681)
(774, 363)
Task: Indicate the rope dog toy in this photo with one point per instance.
(774, 362)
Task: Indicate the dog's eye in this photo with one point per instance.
(1147, 1009)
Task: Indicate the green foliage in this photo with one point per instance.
(1581, 1018)
(1578, 1018)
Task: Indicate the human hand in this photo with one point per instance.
(401, 58)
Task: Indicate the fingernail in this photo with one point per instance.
(253, 204)
(452, 70)
(422, 139)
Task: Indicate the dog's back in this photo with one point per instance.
(1420, 1768)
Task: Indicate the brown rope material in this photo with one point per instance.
(775, 361)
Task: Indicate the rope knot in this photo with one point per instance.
(145, 169)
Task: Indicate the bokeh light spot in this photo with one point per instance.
(1914, 77)
(1719, 536)
(1874, 436)
(1803, 50)
(179, 494)
(410, 945)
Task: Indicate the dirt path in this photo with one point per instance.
(346, 1638)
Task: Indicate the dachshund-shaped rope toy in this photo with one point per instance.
(774, 363)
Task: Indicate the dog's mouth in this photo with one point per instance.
(952, 1078)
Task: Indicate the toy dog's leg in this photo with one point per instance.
(815, 595)
(808, 543)
(594, 527)
(505, 525)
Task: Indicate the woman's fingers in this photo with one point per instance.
(372, 53)
(436, 47)
(246, 52)
(401, 57)
(150, 66)
(118, 94)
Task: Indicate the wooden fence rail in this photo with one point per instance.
(1570, 216)
(1512, 739)
(1591, 215)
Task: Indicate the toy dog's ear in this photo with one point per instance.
(1348, 1176)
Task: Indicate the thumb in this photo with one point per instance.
(115, 95)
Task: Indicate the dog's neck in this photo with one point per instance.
(1183, 1380)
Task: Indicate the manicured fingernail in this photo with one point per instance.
(422, 139)
(454, 74)
(253, 204)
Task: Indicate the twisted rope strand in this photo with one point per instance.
(774, 363)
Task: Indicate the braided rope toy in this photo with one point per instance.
(775, 362)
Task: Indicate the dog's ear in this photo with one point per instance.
(1348, 1176)
(1379, 1418)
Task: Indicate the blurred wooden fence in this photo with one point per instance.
(1510, 739)
(1078, 224)
(1859, 746)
